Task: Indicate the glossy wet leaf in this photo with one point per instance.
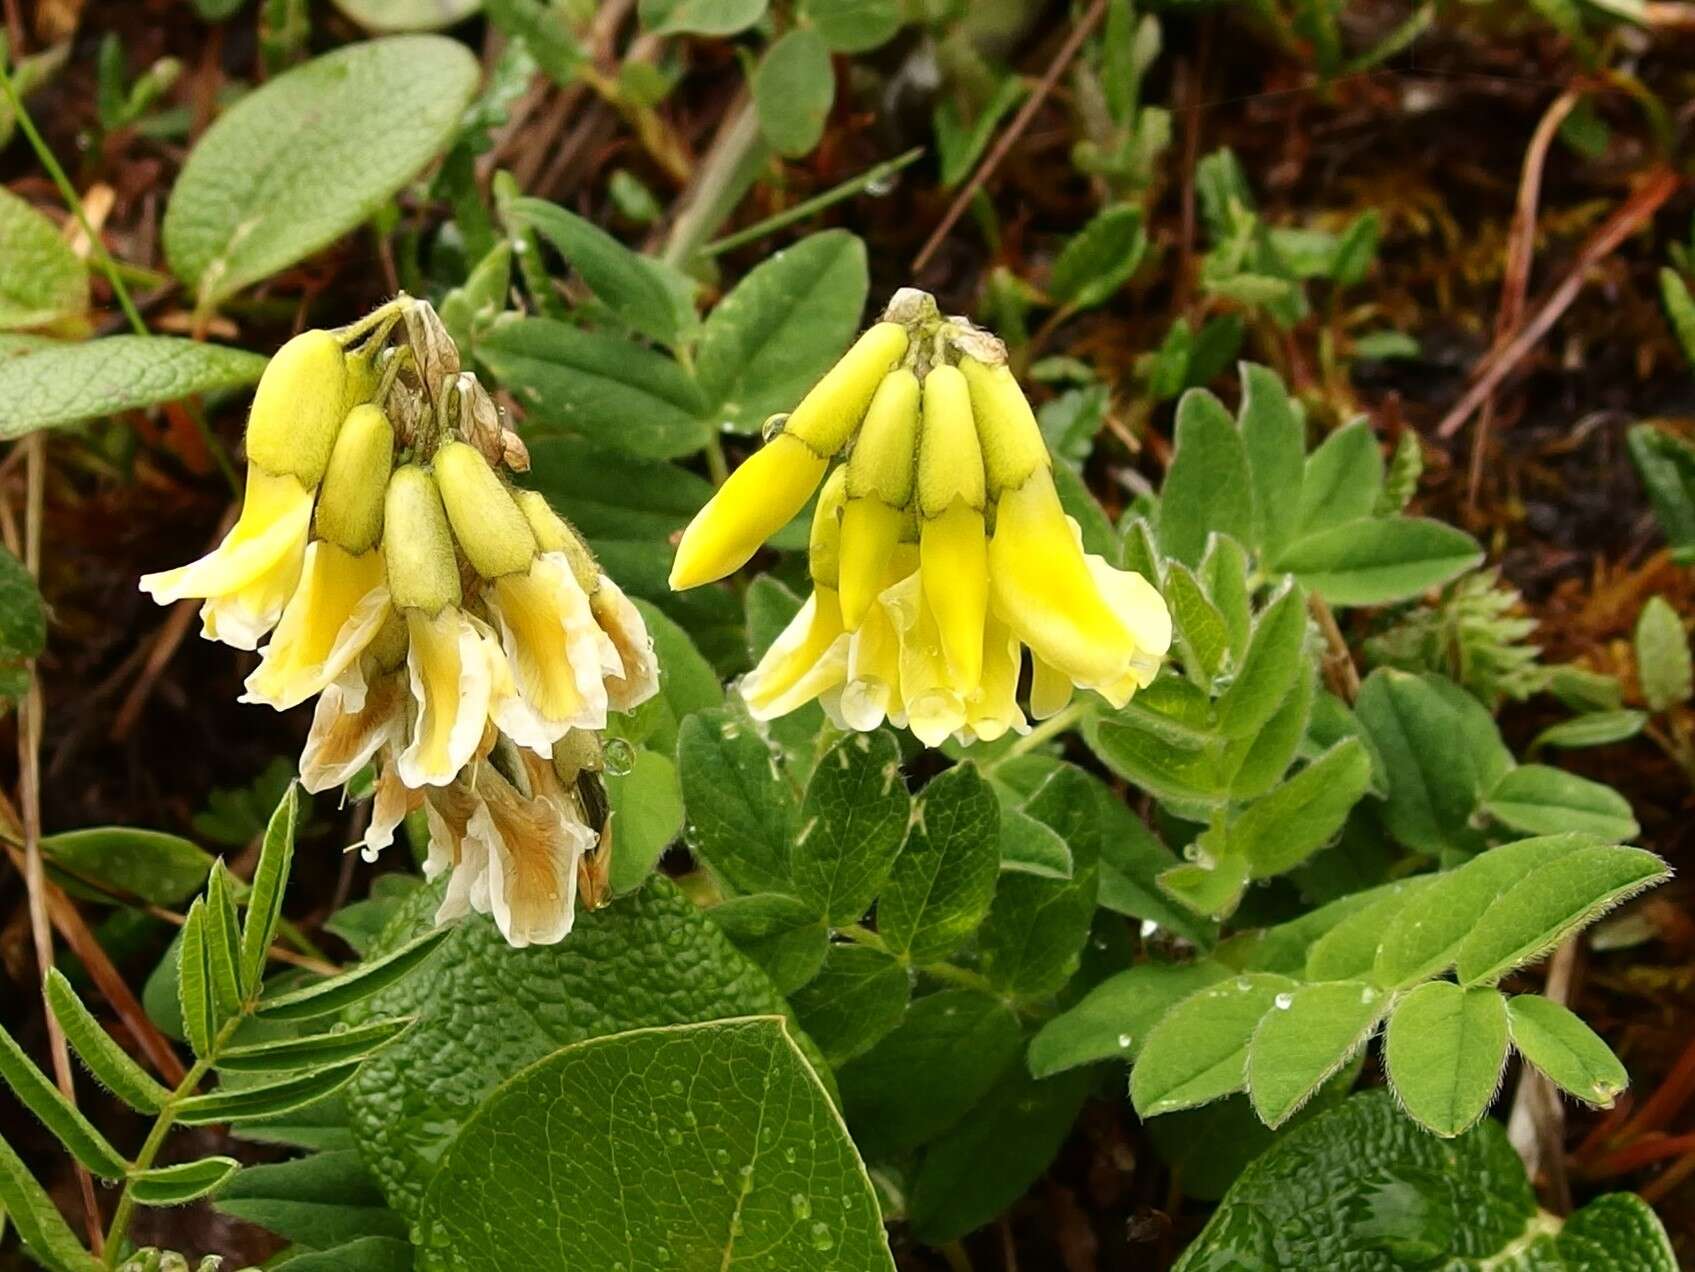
(1112, 1021)
(857, 996)
(782, 934)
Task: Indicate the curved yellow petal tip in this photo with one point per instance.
(759, 499)
(870, 531)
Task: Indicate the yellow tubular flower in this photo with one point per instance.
(830, 412)
(935, 710)
(879, 488)
(557, 652)
(1143, 613)
(993, 709)
(759, 499)
(872, 691)
(297, 408)
(247, 579)
(953, 555)
(334, 613)
(350, 503)
(1012, 443)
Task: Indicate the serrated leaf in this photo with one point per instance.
(1422, 939)
(943, 882)
(147, 864)
(1307, 1035)
(270, 878)
(1546, 801)
(41, 279)
(1381, 560)
(1341, 482)
(39, 1225)
(38, 1094)
(608, 1139)
(1564, 1050)
(271, 182)
(68, 383)
(1198, 1052)
(1207, 486)
(1274, 659)
(194, 981)
(784, 935)
(858, 995)
(313, 1051)
(852, 823)
(1113, 1019)
(340, 992)
(1100, 258)
(1445, 1048)
(627, 283)
(1663, 666)
(1279, 831)
(924, 1075)
(268, 1100)
(108, 1062)
(793, 88)
(185, 1182)
(615, 393)
(1541, 910)
(780, 329)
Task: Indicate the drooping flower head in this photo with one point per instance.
(940, 551)
(457, 632)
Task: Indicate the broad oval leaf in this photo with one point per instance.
(67, 383)
(1663, 666)
(1445, 1048)
(784, 935)
(1378, 561)
(700, 1145)
(1198, 1052)
(1274, 439)
(1280, 830)
(1341, 482)
(299, 162)
(1566, 1051)
(1541, 910)
(1275, 657)
(1547, 801)
(175, 1185)
(1306, 1036)
(146, 864)
(793, 87)
(739, 811)
(1349, 948)
(944, 879)
(700, 17)
(41, 279)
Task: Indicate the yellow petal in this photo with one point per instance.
(637, 678)
(352, 722)
(953, 558)
(885, 452)
(993, 709)
(950, 462)
(490, 527)
(534, 845)
(423, 572)
(872, 691)
(934, 708)
(1011, 439)
(830, 412)
(870, 531)
(759, 499)
(1041, 586)
(809, 657)
(350, 501)
(336, 610)
(275, 517)
(1050, 690)
(824, 542)
(553, 646)
(449, 669)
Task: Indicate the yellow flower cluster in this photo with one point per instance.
(939, 548)
(456, 631)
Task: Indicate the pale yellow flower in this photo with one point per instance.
(338, 606)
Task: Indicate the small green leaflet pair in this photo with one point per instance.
(235, 1026)
(1279, 1035)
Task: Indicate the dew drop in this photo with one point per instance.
(801, 1207)
(1282, 1001)
(1123, 1041)
(722, 1155)
(618, 757)
(1367, 994)
(1243, 984)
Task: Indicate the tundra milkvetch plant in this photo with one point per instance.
(939, 550)
(457, 632)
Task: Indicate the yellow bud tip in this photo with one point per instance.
(950, 464)
(1007, 431)
(487, 521)
(828, 415)
(824, 543)
(759, 499)
(884, 453)
(298, 407)
(350, 502)
(423, 572)
(954, 570)
(870, 531)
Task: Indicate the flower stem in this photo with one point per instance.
(1044, 732)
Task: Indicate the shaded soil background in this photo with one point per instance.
(141, 733)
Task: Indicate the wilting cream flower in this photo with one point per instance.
(943, 555)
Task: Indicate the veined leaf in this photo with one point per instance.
(106, 1060)
(323, 1201)
(315, 1050)
(194, 981)
(852, 823)
(148, 864)
(1542, 909)
(270, 878)
(1307, 1035)
(1377, 561)
(1112, 1020)
(31, 1211)
(1566, 1051)
(1282, 829)
(1207, 486)
(1274, 659)
(1547, 801)
(782, 934)
(1348, 949)
(1342, 480)
(857, 997)
(1596, 728)
(1198, 1052)
(351, 987)
(943, 881)
(38, 1094)
(174, 1185)
(223, 945)
(240, 1103)
(1446, 1048)
(1203, 640)
(41, 279)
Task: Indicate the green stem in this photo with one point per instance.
(861, 935)
(716, 465)
(1044, 732)
(68, 193)
(737, 154)
(817, 203)
(964, 977)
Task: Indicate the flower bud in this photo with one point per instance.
(758, 500)
(829, 414)
(487, 521)
(350, 501)
(824, 545)
(879, 487)
(952, 549)
(423, 572)
(1010, 438)
(299, 404)
(950, 462)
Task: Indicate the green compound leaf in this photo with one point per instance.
(780, 329)
(784, 935)
(1378, 561)
(1308, 1034)
(1446, 1048)
(943, 882)
(41, 279)
(270, 879)
(858, 995)
(1274, 439)
(1542, 909)
(240, 1103)
(699, 17)
(340, 992)
(301, 161)
(1203, 639)
(650, 958)
(223, 944)
(67, 383)
(1100, 259)
(1667, 465)
(1198, 1052)
(855, 26)
(38, 1094)
(106, 1060)
(322, 1201)
(793, 88)
(739, 811)
(1566, 1051)
(852, 823)
(1546, 801)
(1342, 480)
(1112, 1020)
(1280, 830)
(1274, 659)
(29, 1210)
(312, 1051)
(1207, 487)
(175, 1185)
(1597, 728)
(706, 1145)
(1349, 948)
(194, 981)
